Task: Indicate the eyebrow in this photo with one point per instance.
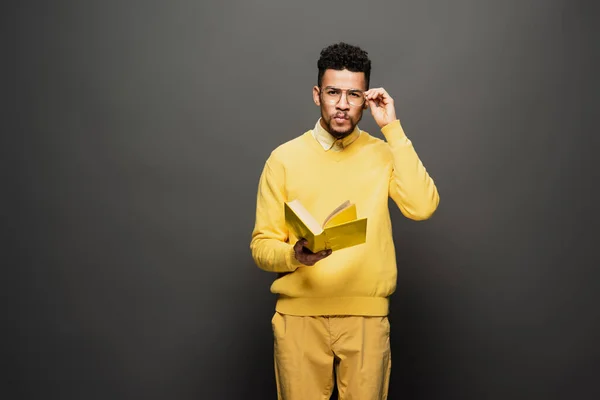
(335, 87)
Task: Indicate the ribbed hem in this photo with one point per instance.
(313, 306)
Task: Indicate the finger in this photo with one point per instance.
(376, 94)
(386, 96)
(298, 246)
(380, 93)
(325, 253)
(379, 100)
(373, 104)
(320, 255)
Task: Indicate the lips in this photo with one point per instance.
(340, 118)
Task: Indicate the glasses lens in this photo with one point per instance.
(331, 95)
(356, 97)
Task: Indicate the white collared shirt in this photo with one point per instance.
(328, 142)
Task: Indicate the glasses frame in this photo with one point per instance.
(344, 92)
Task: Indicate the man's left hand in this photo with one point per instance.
(381, 105)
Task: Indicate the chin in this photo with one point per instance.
(340, 131)
(340, 134)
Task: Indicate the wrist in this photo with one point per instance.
(393, 130)
(390, 124)
(294, 263)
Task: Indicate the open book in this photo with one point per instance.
(341, 229)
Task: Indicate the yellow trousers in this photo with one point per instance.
(309, 349)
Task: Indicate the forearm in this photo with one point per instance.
(269, 245)
(411, 187)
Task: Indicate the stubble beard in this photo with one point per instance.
(337, 134)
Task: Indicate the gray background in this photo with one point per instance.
(137, 131)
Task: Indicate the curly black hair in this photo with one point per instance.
(341, 56)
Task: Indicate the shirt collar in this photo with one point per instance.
(328, 142)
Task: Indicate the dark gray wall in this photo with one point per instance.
(137, 132)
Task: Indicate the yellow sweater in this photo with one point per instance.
(356, 280)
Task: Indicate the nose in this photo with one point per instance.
(342, 104)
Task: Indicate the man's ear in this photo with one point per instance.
(316, 97)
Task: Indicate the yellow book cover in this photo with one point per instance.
(341, 228)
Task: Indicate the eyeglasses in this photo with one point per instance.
(332, 95)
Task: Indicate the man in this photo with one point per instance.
(331, 312)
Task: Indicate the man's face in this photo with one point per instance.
(341, 118)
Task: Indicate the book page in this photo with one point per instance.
(348, 214)
(340, 208)
(306, 217)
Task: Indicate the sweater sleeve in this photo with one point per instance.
(411, 187)
(269, 246)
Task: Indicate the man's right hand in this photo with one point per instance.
(306, 256)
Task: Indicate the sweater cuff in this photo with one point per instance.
(394, 132)
(292, 262)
